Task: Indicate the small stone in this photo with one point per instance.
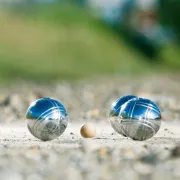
(145, 146)
(176, 151)
(4, 100)
(94, 113)
(150, 158)
(102, 152)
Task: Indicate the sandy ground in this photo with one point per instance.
(109, 155)
(18, 136)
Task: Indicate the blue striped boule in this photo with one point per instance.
(46, 118)
(138, 118)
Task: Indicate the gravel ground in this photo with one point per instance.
(109, 155)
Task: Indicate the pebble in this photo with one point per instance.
(176, 151)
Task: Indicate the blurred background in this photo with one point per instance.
(44, 40)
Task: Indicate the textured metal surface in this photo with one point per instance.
(46, 119)
(138, 118)
(115, 110)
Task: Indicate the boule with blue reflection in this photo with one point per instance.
(46, 118)
(140, 118)
(114, 113)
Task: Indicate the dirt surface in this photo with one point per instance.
(108, 155)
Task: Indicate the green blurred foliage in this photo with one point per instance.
(62, 41)
(170, 14)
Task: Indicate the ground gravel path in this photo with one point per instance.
(108, 155)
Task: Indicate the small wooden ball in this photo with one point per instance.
(88, 130)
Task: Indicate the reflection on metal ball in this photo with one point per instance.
(115, 110)
(46, 119)
(139, 119)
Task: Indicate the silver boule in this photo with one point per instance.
(46, 118)
(140, 119)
